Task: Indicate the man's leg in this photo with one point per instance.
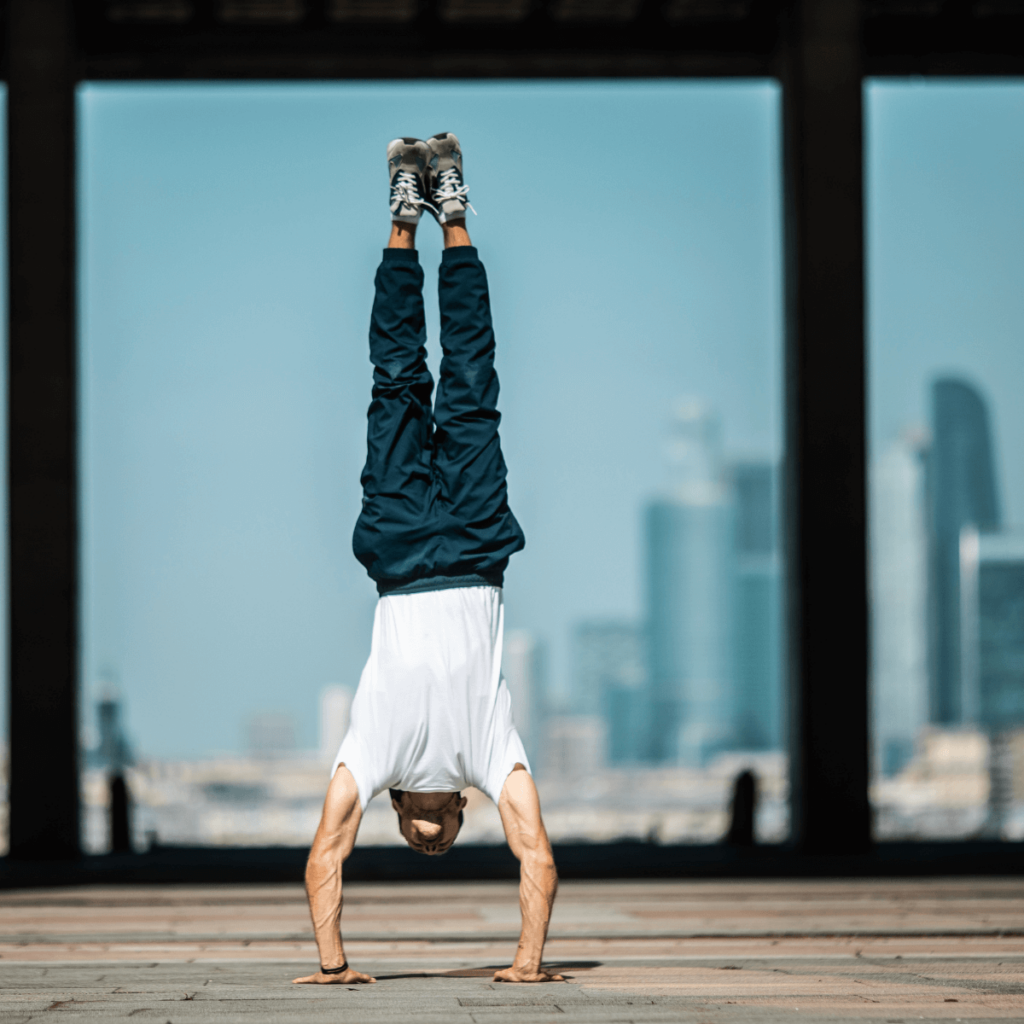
(397, 476)
(472, 471)
(469, 462)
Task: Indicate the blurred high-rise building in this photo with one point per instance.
(757, 603)
(962, 493)
(575, 750)
(112, 750)
(335, 708)
(992, 660)
(992, 633)
(270, 734)
(899, 601)
(522, 663)
(609, 679)
(689, 550)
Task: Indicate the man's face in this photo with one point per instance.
(430, 830)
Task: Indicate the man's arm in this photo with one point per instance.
(519, 807)
(333, 843)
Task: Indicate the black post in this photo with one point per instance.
(42, 457)
(825, 426)
(120, 815)
(744, 810)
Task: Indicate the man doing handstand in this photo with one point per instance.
(432, 714)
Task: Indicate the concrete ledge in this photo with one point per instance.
(625, 860)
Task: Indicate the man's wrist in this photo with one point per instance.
(527, 963)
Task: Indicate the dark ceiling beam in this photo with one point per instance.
(960, 39)
(540, 44)
(479, 65)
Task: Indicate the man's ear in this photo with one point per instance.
(462, 803)
(397, 806)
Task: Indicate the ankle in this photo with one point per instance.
(455, 234)
(403, 235)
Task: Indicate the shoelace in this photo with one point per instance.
(405, 188)
(449, 186)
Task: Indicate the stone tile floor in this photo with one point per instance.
(892, 952)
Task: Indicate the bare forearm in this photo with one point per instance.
(519, 807)
(331, 847)
(537, 887)
(323, 887)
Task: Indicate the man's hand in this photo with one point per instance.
(526, 975)
(350, 977)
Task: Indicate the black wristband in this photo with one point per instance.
(334, 970)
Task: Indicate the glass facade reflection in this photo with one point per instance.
(947, 492)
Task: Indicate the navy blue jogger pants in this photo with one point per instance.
(435, 505)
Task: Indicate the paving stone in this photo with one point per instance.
(910, 952)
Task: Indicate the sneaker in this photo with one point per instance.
(448, 192)
(407, 168)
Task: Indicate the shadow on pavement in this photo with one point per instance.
(486, 972)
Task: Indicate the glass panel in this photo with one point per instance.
(229, 239)
(946, 258)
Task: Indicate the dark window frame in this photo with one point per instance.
(820, 50)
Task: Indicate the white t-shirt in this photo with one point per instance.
(432, 713)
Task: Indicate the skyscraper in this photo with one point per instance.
(689, 542)
(899, 602)
(112, 751)
(522, 666)
(609, 669)
(962, 492)
(335, 707)
(757, 604)
(271, 734)
(992, 657)
(992, 633)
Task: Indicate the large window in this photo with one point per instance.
(946, 245)
(229, 238)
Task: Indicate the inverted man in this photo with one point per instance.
(432, 714)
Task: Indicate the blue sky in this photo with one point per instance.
(230, 236)
(632, 236)
(945, 162)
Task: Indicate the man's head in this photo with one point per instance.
(429, 822)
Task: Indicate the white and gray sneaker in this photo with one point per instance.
(448, 192)
(407, 169)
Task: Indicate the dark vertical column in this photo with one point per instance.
(825, 426)
(42, 460)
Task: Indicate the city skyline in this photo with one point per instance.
(700, 674)
(947, 582)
